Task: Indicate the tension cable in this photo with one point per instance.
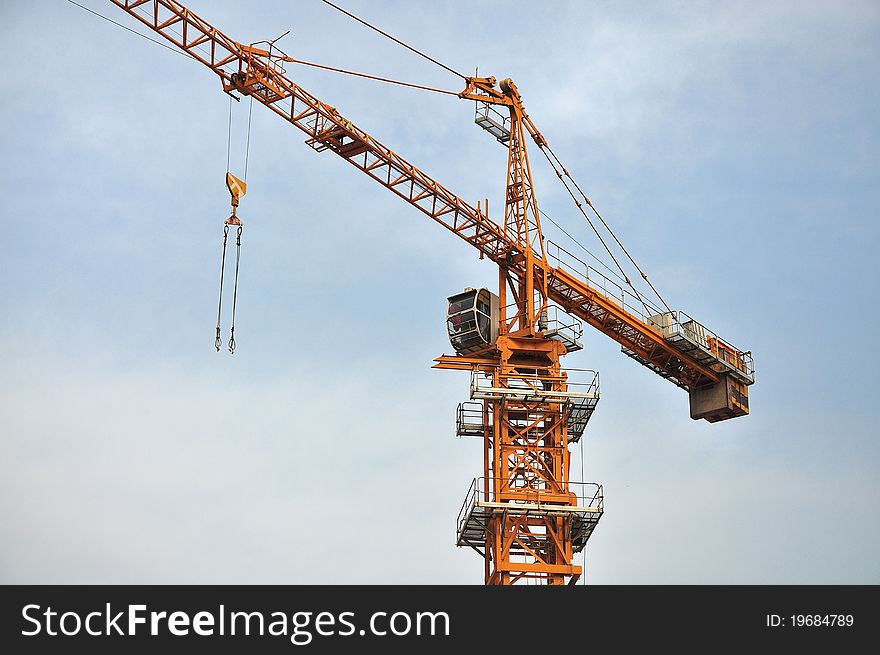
(395, 39)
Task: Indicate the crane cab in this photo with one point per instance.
(472, 320)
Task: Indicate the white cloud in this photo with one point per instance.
(133, 453)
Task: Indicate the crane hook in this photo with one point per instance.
(237, 188)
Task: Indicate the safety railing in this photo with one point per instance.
(674, 325)
(559, 257)
(578, 411)
(555, 322)
(493, 121)
(470, 420)
(558, 324)
(470, 417)
(526, 386)
(677, 325)
(481, 497)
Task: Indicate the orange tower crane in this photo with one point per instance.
(524, 515)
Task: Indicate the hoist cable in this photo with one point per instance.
(229, 134)
(247, 148)
(217, 340)
(396, 40)
(235, 291)
(234, 221)
(369, 77)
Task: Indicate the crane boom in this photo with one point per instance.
(259, 73)
(715, 373)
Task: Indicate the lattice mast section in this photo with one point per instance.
(527, 464)
(526, 459)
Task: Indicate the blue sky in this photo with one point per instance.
(733, 147)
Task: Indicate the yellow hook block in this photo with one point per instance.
(237, 188)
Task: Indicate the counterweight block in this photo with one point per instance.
(725, 399)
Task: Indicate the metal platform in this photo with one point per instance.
(523, 387)
(676, 327)
(338, 140)
(577, 414)
(559, 325)
(493, 121)
(703, 345)
(577, 407)
(470, 420)
(651, 365)
(584, 511)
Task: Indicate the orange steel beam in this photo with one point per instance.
(579, 299)
(259, 73)
(528, 462)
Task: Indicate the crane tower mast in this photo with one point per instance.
(524, 514)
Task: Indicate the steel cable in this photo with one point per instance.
(395, 39)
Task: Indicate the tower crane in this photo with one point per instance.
(524, 514)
